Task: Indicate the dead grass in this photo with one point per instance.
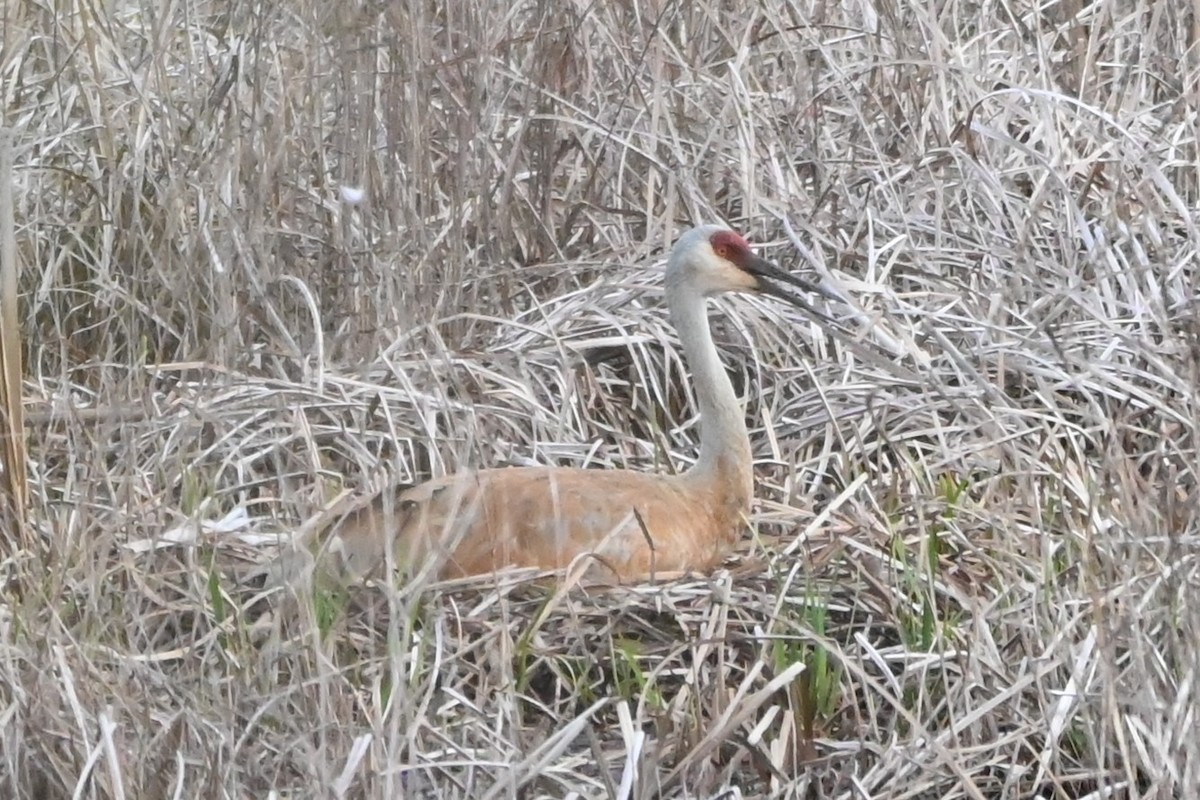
(976, 544)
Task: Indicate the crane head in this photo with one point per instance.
(714, 259)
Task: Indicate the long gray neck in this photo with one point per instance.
(725, 457)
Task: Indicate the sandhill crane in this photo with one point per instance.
(629, 525)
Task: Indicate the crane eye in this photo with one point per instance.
(722, 251)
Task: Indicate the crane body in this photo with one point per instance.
(629, 525)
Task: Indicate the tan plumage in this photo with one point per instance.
(545, 517)
(628, 525)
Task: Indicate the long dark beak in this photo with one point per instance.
(771, 280)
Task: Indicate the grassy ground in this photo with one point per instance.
(974, 564)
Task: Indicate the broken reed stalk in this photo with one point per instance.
(14, 489)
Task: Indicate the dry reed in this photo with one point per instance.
(974, 558)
